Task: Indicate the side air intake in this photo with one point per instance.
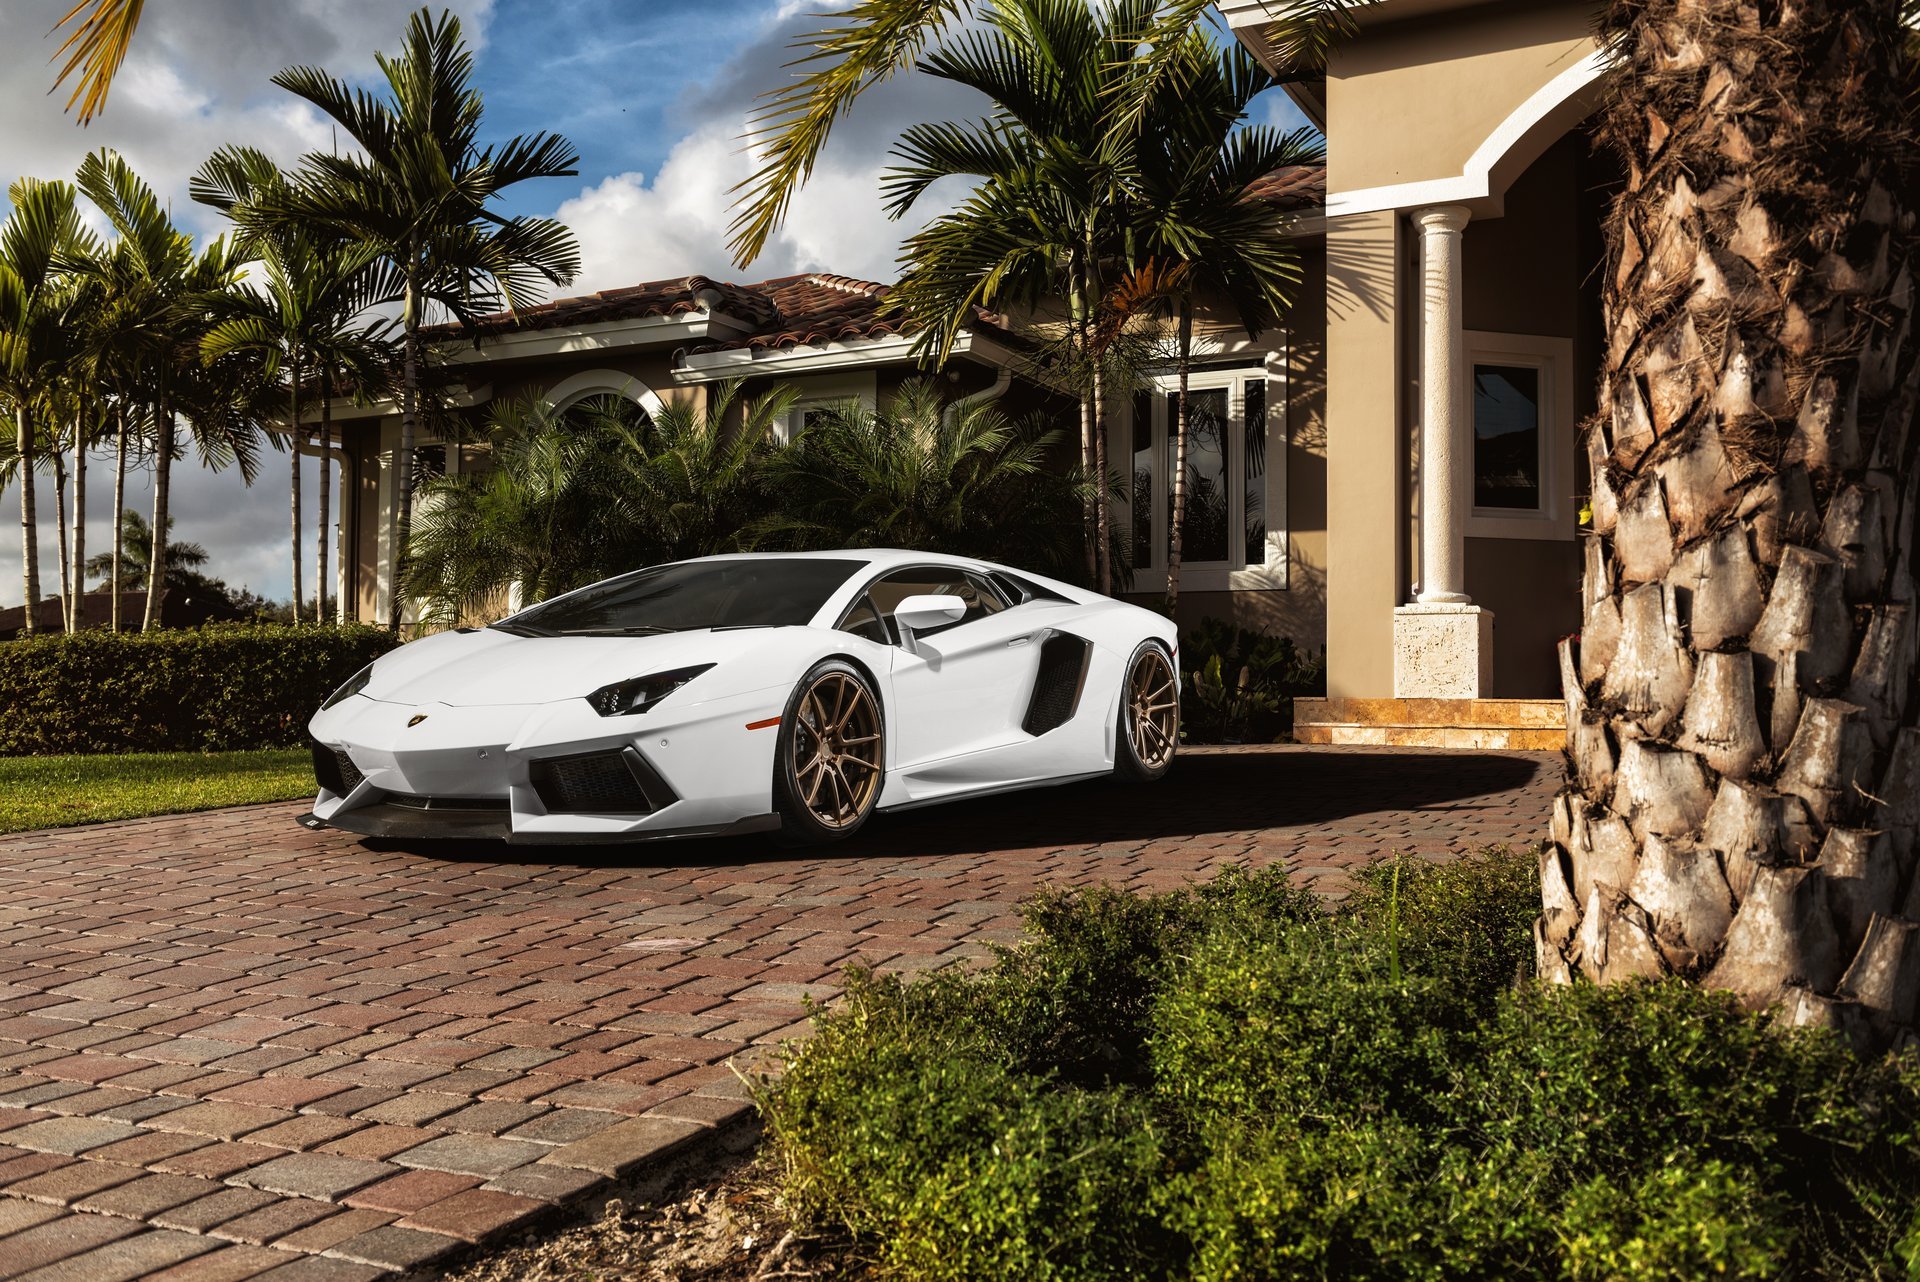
(335, 769)
(1057, 686)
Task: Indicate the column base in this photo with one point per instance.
(1442, 651)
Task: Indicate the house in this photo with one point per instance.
(1396, 475)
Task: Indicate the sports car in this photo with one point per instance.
(797, 693)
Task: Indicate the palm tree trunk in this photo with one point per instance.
(293, 453)
(326, 491)
(1183, 361)
(162, 478)
(1743, 807)
(29, 517)
(119, 506)
(403, 460)
(78, 619)
(1103, 510)
(60, 534)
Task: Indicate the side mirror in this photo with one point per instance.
(920, 613)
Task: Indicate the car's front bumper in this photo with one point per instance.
(554, 772)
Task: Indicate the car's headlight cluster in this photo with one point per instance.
(354, 685)
(624, 698)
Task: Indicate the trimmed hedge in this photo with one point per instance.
(217, 689)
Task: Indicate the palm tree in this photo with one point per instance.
(1201, 223)
(875, 40)
(136, 567)
(418, 190)
(1744, 793)
(919, 473)
(95, 48)
(1049, 218)
(303, 318)
(44, 226)
(152, 272)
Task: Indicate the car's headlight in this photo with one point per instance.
(624, 698)
(354, 685)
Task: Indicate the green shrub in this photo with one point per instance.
(1229, 1082)
(225, 688)
(1239, 685)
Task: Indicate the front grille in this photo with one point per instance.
(335, 769)
(412, 802)
(619, 782)
(1056, 687)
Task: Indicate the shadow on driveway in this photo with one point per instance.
(1215, 792)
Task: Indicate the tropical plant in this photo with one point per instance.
(137, 561)
(1202, 225)
(418, 190)
(1744, 797)
(696, 478)
(919, 473)
(43, 226)
(302, 321)
(95, 48)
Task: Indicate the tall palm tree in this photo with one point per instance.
(44, 226)
(1050, 215)
(874, 40)
(164, 285)
(419, 190)
(1201, 221)
(301, 320)
(1744, 797)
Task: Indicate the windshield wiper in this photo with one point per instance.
(637, 630)
(521, 629)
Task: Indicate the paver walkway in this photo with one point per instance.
(230, 1047)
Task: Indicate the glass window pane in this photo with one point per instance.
(1506, 437)
(1204, 533)
(1255, 392)
(1142, 467)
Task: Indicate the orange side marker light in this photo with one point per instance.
(762, 725)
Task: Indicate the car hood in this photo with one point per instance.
(490, 668)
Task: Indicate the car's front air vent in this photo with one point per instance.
(1057, 685)
(619, 782)
(335, 769)
(412, 802)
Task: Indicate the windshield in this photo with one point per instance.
(760, 593)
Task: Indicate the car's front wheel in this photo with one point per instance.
(832, 755)
(1149, 730)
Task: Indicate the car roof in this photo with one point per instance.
(877, 557)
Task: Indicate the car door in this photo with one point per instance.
(963, 687)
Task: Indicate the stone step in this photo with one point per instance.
(1492, 724)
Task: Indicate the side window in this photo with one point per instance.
(886, 594)
(865, 621)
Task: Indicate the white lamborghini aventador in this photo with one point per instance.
(798, 692)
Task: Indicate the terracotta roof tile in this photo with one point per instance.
(1297, 187)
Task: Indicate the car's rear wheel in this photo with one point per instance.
(832, 755)
(1149, 730)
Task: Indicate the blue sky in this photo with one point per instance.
(654, 93)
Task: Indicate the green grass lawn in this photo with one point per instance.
(54, 792)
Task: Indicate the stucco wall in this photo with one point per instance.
(1411, 100)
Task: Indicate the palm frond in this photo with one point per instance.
(102, 33)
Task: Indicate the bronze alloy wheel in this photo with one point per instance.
(836, 749)
(1153, 708)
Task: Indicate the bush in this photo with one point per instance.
(214, 689)
(1238, 685)
(1229, 1082)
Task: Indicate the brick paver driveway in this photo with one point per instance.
(231, 1047)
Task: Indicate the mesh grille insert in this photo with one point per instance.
(1056, 687)
(602, 782)
(335, 770)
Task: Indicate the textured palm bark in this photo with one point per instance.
(29, 517)
(1744, 764)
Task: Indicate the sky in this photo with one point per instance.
(655, 94)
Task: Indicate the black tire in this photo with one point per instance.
(826, 785)
(1152, 665)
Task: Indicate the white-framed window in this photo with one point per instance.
(1518, 425)
(1234, 533)
(824, 393)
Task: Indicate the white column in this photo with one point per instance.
(1443, 373)
(1442, 642)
